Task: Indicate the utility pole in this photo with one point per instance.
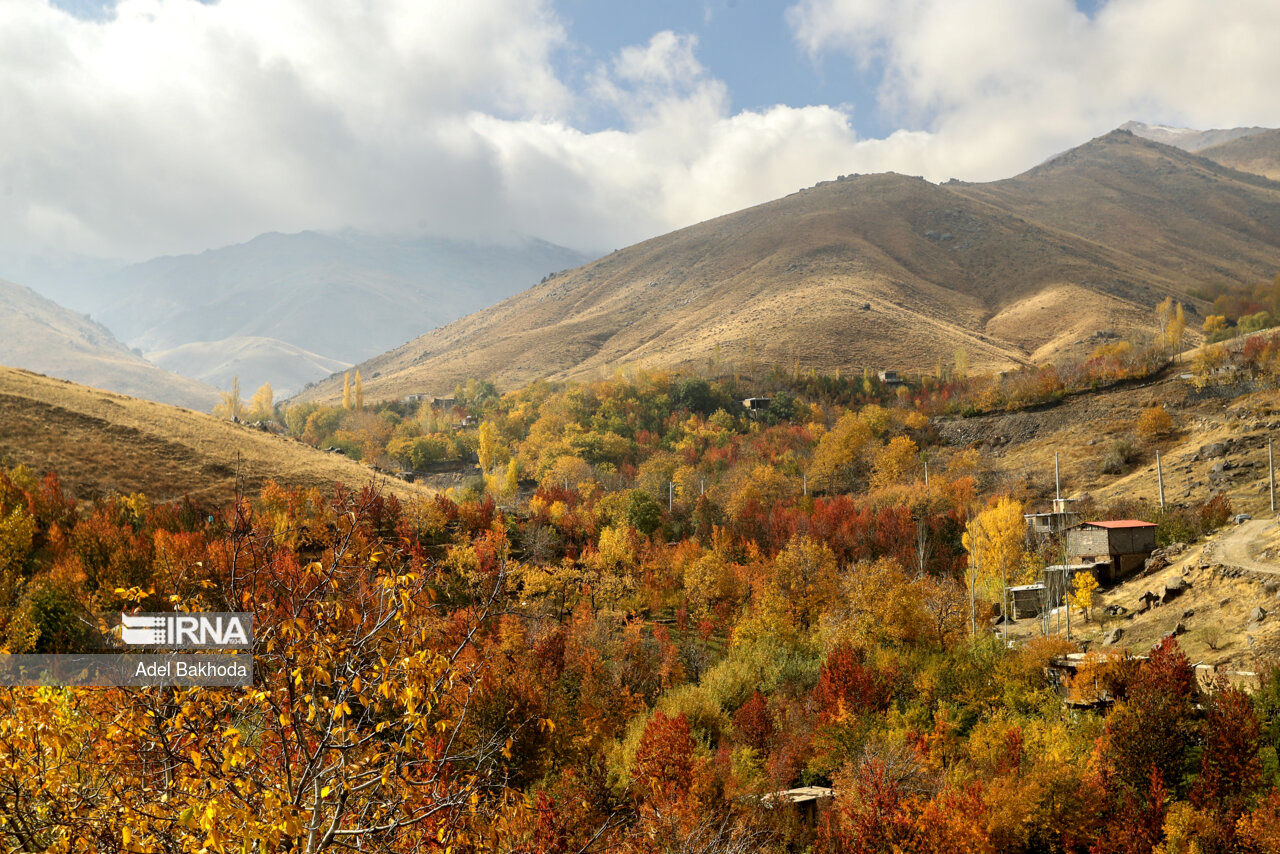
(1068, 601)
(1057, 479)
(1160, 480)
(1271, 475)
(1004, 612)
(973, 580)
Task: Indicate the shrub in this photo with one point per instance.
(1118, 457)
(1154, 423)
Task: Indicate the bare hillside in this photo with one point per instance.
(99, 442)
(1259, 154)
(42, 336)
(878, 271)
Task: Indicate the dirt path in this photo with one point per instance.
(1236, 547)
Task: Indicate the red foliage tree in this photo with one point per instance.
(848, 682)
(1156, 727)
(753, 724)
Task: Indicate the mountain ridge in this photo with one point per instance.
(877, 271)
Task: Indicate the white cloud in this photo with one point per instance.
(1002, 83)
(174, 125)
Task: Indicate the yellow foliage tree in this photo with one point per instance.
(804, 573)
(262, 405)
(1173, 323)
(346, 391)
(839, 455)
(1154, 422)
(1214, 324)
(232, 406)
(996, 542)
(359, 391)
(17, 531)
(1209, 360)
(511, 481)
(487, 449)
(1083, 586)
(894, 462)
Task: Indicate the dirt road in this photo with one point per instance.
(1237, 547)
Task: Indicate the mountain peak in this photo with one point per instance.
(1188, 139)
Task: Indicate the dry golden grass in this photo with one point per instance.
(41, 335)
(876, 271)
(100, 442)
(1259, 154)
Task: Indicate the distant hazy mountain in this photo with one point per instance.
(347, 295)
(312, 302)
(880, 271)
(1189, 139)
(254, 360)
(40, 335)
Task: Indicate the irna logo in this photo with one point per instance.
(223, 630)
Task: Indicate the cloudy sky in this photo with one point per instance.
(130, 128)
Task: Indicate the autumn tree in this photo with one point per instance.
(232, 405)
(352, 734)
(838, 458)
(1230, 767)
(894, 462)
(1154, 423)
(1154, 730)
(347, 402)
(996, 542)
(1172, 320)
(262, 405)
(358, 391)
(1083, 585)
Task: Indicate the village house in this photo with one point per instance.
(1042, 526)
(1116, 549)
(891, 379)
(756, 404)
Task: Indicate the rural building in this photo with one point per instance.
(1042, 526)
(443, 403)
(1026, 600)
(1119, 548)
(805, 801)
(756, 404)
(415, 398)
(891, 378)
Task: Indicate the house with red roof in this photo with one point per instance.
(1117, 548)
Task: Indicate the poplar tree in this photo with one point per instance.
(359, 391)
(346, 390)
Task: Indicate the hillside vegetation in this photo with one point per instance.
(879, 271)
(649, 617)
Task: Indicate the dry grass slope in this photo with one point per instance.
(877, 271)
(41, 335)
(1259, 154)
(100, 442)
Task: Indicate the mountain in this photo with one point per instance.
(1189, 139)
(254, 360)
(313, 301)
(1257, 153)
(879, 271)
(101, 442)
(40, 335)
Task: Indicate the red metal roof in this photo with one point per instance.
(1123, 523)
